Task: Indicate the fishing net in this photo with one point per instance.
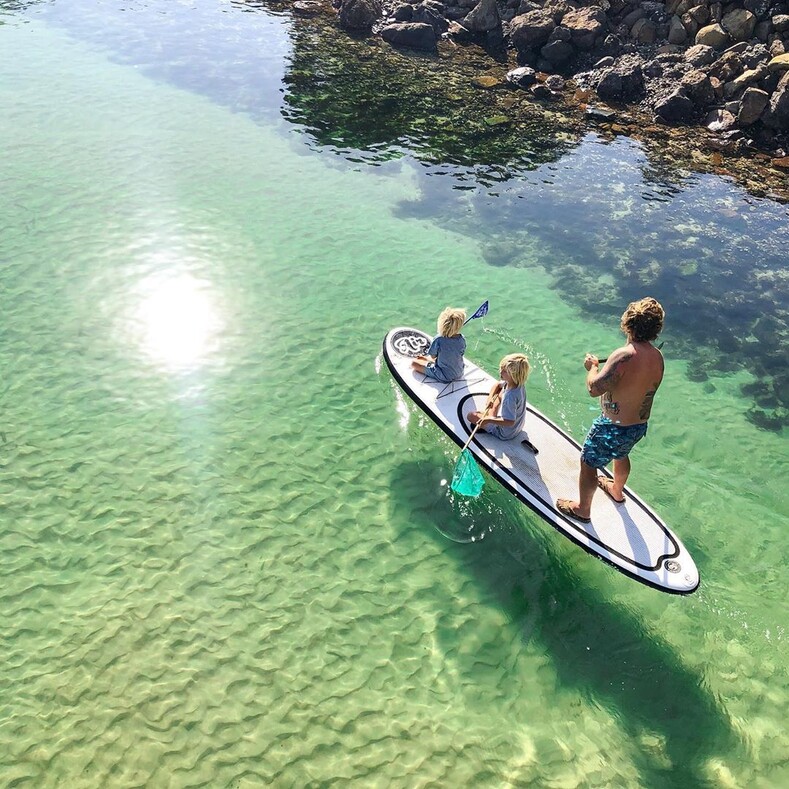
(467, 479)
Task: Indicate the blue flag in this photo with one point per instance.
(481, 312)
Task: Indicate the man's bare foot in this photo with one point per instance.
(567, 507)
(607, 485)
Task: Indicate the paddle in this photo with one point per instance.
(467, 479)
(603, 361)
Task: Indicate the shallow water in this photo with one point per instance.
(222, 532)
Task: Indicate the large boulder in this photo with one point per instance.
(712, 36)
(430, 13)
(739, 24)
(776, 115)
(781, 23)
(698, 87)
(779, 63)
(413, 35)
(558, 52)
(586, 25)
(359, 14)
(676, 107)
(522, 77)
(676, 31)
(483, 18)
(700, 55)
(752, 106)
(624, 81)
(531, 30)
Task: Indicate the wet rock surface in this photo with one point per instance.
(713, 66)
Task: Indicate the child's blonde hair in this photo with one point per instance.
(451, 321)
(517, 365)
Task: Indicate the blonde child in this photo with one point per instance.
(506, 403)
(444, 359)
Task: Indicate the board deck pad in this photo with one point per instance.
(629, 536)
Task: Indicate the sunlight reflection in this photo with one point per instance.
(178, 319)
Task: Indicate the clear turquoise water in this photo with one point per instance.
(222, 533)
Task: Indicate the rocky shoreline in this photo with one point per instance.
(717, 70)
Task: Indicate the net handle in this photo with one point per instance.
(476, 427)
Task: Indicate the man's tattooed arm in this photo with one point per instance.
(609, 377)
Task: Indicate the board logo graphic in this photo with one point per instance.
(410, 343)
(672, 566)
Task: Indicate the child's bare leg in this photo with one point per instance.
(419, 366)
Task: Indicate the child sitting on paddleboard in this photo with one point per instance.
(505, 408)
(444, 359)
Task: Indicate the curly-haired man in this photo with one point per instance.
(626, 386)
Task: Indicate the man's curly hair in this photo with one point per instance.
(642, 321)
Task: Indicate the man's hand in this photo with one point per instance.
(590, 360)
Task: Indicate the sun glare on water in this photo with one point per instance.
(177, 320)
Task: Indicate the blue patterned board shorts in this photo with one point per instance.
(608, 441)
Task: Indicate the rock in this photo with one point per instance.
(779, 63)
(776, 114)
(560, 33)
(698, 86)
(604, 62)
(600, 113)
(483, 17)
(676, 107)
(413, 35)
(486, 81)
(720, 121)
(531, 30)
(624, 81)
(644, 31)
(458, 33)
(700, 55)
(752, 105)
(746, 79)
(540, 91)
(755, 56)
(402, 12)
(700, 14)
(781, 23)
(359, 14)
(557, 9)
(555, 83)
(782, 162)
(557, 52)
(762, 31)
(633, 17)
(739, 24)
(431, 13)
(712, 36)
(777, 48)
(307, 7)
(676, 31)
(522, 77)
(726, 67)
(586, 25)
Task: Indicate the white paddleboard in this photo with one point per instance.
(629, 536)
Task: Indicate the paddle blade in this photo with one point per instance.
(467, 479)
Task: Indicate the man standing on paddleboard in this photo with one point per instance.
(626, 386)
